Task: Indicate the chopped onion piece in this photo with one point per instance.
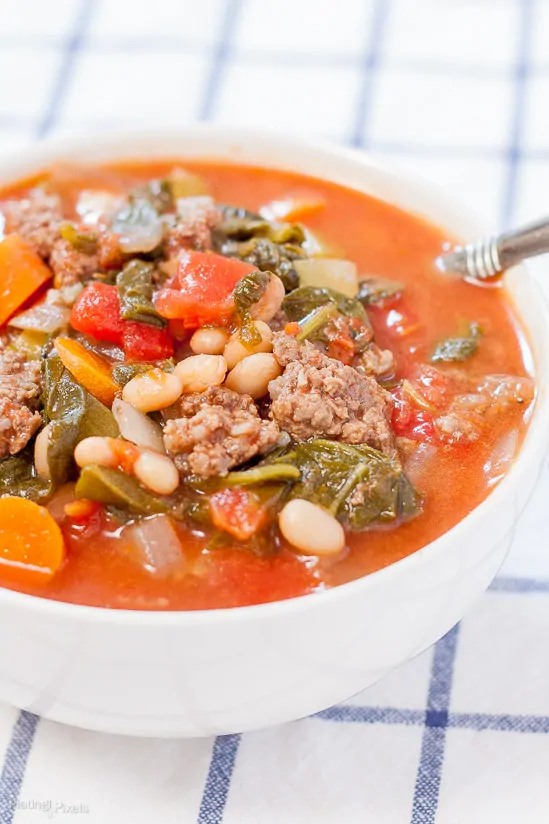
(340, 275)
(44, 317)
(419, 463)
(59, 500)
(502, 456)
(157, 545)
(144, 238)
(136, 427)
(70, 293)
(93, 205)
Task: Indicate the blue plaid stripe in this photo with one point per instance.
(372, 55)
(219, 778)
(72, 49)
(15, 763)
(220, 57)
(429, 772)
(522, 69)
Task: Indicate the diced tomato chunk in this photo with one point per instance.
(409, 421)
(432, 385)
(142, 342)
(237, 512)
(402, 412)
(423, 428)
(97, 313)
(201, 292)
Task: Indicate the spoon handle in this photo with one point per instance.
(491, 255)
(520, 244)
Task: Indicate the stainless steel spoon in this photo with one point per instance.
(492, 255)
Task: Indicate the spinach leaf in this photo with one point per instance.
(84, 242)
(162, 194)
(135, 290)
(18, 477)
(269, 246)
(313, 307)
(115, 488)
(74, 414)
(458, 348)
(375, 290)
(262, 474)
(267, 256)
(248, 291)
(356, 483)
(303, 301)
(266, 473)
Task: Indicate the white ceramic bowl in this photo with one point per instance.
(224, 671)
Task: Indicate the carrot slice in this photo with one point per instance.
(294, 208)
(22, 272)
(31, 543)
(90, 370)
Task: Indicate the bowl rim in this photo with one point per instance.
(37, 155)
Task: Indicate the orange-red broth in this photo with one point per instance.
(101, 568)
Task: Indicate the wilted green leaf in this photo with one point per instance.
(375, 290)
(458, 348)
(135, 290)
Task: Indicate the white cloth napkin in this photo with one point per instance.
(457, 91)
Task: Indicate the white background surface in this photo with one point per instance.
(456, 91)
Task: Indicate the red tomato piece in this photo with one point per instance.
(410, 422)
(402, 413)
(97, 313)
(432, 385)
(423, 428)
(142, 342)
(201, 293)
(237, 512)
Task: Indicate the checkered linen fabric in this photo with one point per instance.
(456, 91)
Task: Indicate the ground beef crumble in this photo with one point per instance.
(192, 229)
(215, 431)
(375, 361)
(70, 266)
(20, 388)
(36, 218)
(318, 396)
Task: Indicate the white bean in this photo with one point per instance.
(152, 391)
(236, 351)
(311, 529)
(95, 450)
(198, 372)
(41, 445)
(209, 341)
(251, 376)
(157, 472)
(271, 300)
